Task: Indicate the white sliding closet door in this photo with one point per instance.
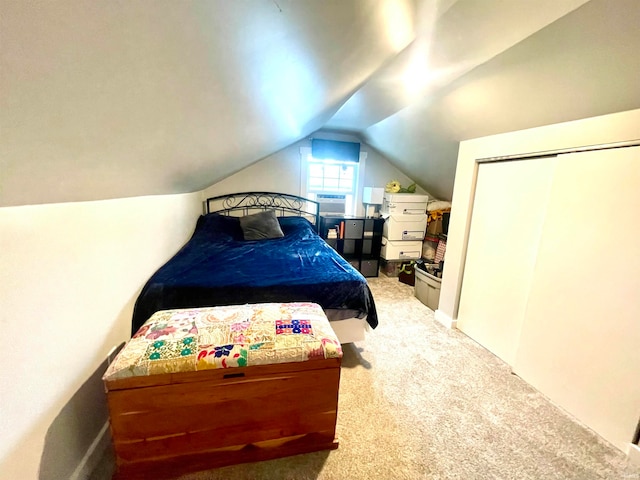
(508, 211)
(580, 340)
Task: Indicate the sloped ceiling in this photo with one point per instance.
(584, 64)
(102, 99)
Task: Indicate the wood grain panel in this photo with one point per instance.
(147, 411)
(266, 413)
(259, 451)
(216, 438)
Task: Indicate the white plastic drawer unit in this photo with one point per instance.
(400, 250)
(404, 204)
(427, 289)
(405, 227)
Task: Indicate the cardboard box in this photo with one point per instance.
(404, 203)
(400, 250)
(435, 227)
(405, 227)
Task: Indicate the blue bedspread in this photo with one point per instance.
(217, 267)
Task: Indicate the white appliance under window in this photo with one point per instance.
(331, 204)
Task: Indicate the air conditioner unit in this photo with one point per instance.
(331, 205)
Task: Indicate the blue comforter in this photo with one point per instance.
(217, 267)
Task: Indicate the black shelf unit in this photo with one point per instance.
(357, 239)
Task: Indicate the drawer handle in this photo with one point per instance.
(233, 375)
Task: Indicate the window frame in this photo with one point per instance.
(356, 208)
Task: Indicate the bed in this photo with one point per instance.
(217, 266)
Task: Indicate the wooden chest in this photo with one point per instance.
(176, 419)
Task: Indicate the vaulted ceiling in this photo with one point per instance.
(103, 99)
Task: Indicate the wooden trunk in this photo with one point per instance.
(165, 425)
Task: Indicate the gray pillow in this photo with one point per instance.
(261, 226)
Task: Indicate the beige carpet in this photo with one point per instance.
(418, 401)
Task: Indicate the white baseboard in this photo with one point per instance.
(633, 452)
(93, 456)
(444, 319)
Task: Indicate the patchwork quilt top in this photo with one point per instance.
(185, 340)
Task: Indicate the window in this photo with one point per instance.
(332, 177)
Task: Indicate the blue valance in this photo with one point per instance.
(334, 150)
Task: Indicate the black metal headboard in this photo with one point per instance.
(245, 203)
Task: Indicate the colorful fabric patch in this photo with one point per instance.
(165, 349)
(288, 327)
(224, 356)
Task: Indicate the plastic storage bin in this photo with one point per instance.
(427, 289)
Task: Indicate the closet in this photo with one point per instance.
(551, 280)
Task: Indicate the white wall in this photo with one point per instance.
(281, 171)
(70, 275)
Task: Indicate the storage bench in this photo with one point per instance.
(207, 387)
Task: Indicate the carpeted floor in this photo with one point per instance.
(419, 401)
